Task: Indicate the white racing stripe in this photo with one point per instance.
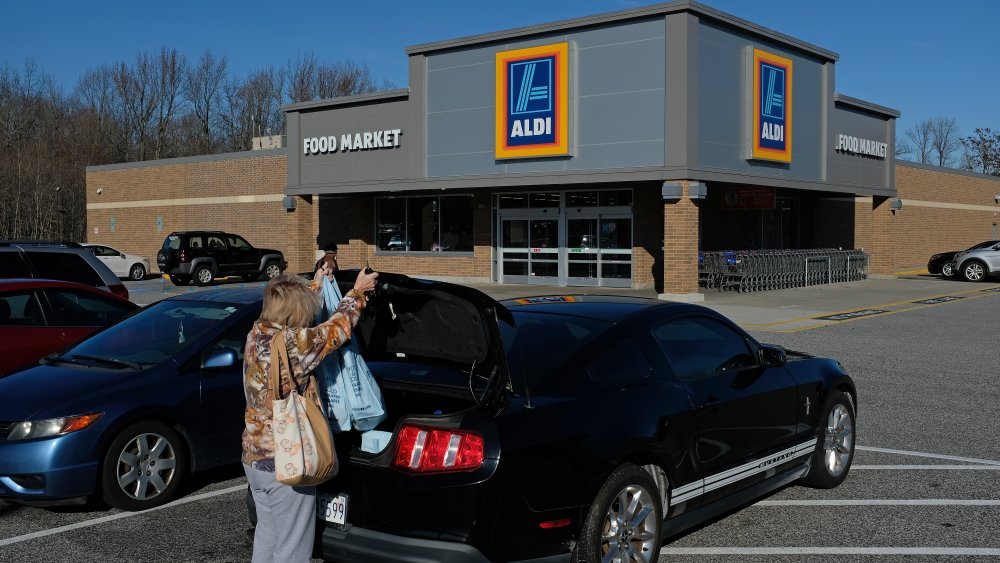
(838, 550)
(941, 467)
(119, 516)
(929, 455)
(881, 502)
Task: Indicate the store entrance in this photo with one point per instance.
(565, 239)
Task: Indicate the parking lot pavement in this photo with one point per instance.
(153, 289)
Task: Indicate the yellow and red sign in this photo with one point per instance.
(532, 93)
(771, 130)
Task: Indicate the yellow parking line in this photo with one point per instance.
(912, 273)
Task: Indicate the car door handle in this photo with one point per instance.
(710, 403)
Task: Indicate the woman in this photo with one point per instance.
(286, 516)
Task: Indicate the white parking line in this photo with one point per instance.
(929, 455)
(881, 502)
(927, 467)
(119, 516)
(838, 550)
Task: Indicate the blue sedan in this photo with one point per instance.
(130, 411)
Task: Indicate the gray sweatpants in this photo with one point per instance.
(286, 519)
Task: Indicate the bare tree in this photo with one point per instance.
(203, 90)
(171, 71)
(253, 108)
(982, 151)
(345, 78)
(903, 148)
(301, 75)
(921, 135)
(944, 139)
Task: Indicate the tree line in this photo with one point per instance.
(936, 141)
(156, 105)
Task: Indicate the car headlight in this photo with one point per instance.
(52, 426)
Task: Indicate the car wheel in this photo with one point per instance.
(143, 467)
(251, 277)
(137, 272)
(272, 270)
(625, 520)
(946, 271)
(179, 280)
(835, 448)
(974, 271)
(203, 275)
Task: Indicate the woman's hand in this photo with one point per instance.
(321, 272)
(365, 282)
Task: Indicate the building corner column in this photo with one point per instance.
(680, 248)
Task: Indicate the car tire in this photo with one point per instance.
(834, 453)
(137, 272)
(251, 277)
(179, 280)
(947, 271)
(974, 271)
(272, 270)
(203, 276)
(149, 447)
(604, 538)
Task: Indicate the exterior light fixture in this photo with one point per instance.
(895, 205)
(996, 198)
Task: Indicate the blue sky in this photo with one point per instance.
(922, 57)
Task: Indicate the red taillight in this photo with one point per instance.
(184, 256)
(119, 290)
(427, 450)
(554, 524)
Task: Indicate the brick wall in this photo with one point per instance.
(647, 246)
(136, 195)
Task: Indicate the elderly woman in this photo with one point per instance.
(286, 516)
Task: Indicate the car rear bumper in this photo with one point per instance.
(360, 544)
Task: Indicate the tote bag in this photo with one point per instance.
(351, 395)
(303, 445)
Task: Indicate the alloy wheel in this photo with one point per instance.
(946, 270)
(146, 466)
(974, 271)
(204, 276)
(630, 528)
(839, 440)
(272, 271)
(138, 272)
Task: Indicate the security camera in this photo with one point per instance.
(996, 198)
(99, 190)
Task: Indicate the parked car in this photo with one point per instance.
(38, 317)
(941, 264)
(127, 413)
(539, 427)
(67, 261)
(123, 265)
(976, 264)
(206, 255)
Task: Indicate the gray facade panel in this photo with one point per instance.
(620, 155)
(633, 116)
(856, 168)
(617, 77)
(724, 90)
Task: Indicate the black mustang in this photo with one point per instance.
(597, 426)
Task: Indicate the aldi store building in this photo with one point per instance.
(602, 151)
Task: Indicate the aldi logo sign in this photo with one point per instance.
(772, 107)
(531, 97)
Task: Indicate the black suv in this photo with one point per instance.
(206, 255)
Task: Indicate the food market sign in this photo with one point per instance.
(864, 147)
(350, 142)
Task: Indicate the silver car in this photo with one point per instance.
(976, 265)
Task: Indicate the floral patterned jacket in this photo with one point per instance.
(306, 348)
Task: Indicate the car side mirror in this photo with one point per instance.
(121, 255)
(772, 357)
(221, 358)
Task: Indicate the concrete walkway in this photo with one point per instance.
(803, 308)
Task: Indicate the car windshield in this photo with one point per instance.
(154, 334)
(986, 244)
(542, 342)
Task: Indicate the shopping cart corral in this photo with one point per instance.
(764, 270)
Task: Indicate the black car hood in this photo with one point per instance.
(437, 322)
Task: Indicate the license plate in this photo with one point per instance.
(332, 508)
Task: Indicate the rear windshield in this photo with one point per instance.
(173, 242)
(541, 343)
(64, 266)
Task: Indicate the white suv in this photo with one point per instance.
(975, 265)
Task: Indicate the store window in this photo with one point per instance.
(424, 224)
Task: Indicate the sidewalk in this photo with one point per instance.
(802, 308)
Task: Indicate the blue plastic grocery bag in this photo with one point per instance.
(349, 391)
